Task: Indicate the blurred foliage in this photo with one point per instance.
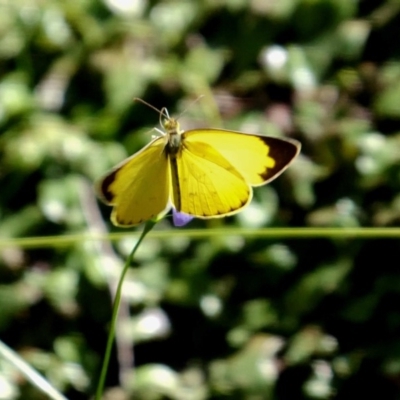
(225, 317)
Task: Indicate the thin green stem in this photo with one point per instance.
(100, 387)
(275, 233)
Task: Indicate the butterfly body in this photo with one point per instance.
(206, 173)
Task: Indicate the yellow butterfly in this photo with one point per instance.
(206, 173)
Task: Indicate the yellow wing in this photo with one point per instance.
(259, 159)
(205, 184)
(138, 188)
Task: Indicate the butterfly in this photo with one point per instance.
(204, 173)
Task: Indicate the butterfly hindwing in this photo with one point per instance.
(258, 158)
(138, 188)
(205, 184)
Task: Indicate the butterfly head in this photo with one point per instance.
(171, 129)
(171, 126)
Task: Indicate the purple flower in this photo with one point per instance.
(180, 219)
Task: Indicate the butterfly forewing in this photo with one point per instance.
(205, 184)
(139, 187)
(258, 158)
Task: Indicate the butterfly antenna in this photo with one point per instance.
(190, 105)
(162, 112)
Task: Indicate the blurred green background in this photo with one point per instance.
(219, 317)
